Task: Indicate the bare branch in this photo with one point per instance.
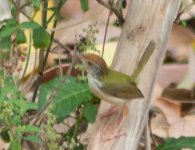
(114, 8)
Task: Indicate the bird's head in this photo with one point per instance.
(94, 64)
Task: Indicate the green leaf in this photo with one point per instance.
(41, 38)
(56, 12)
(15, 145)
(184, 23)
(1, 73)
(90, 112)
(5, 47)
(16, 119)
(5, 135)
(84, 5)
(31, 128)
(11, 22)
(8, 88)
(6, 31)
(178, 144)
(5, 43)
(34, 139)
(13, 11)
(20, 37)
(35, 3)
(70, 95)
(30, 25)
(25, 105)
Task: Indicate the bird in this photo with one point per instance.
(110, 85)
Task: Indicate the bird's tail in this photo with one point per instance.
(144, 59)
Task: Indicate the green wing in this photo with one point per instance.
(120, 85)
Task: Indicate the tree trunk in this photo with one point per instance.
(146, 20)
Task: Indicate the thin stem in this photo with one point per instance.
(151, 135)
(147, 138)
(62, 46)
(68, 26)
(106, 30)
(41, 52)
(50, 18)
(75, 132)
(27, 60)
(45, 60)
(28, 17)
(54, 91)
(114, 9)
(25, 5)
(60, 63)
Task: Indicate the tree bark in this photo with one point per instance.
(146, 20)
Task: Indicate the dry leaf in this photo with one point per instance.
(180, 43)
(170, 109)
(179, 95)
(160, 126)
(171, 74)
(183, 127)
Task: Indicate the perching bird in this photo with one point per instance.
(110, 85)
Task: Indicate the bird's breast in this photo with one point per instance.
(95, 86)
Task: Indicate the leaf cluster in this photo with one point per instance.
(13, 108)
(71, 96)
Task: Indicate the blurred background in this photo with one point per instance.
(174, 92)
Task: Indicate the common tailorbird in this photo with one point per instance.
(110, 85)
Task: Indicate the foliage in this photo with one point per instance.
(12, 26)
(70, 95)
(90, 112)
(178, 144)
(58, 99)
(84, 5)
(50, 134)
(39, 34)
(13, 108)
(87, 42)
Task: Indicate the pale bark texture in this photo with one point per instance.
(192, 68)
(146, 20)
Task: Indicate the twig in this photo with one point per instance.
(38, 114)
(30, 145)
(151, 135)
(102, 2)
(51, 17)
(61, 45)
(25, 5)
(68, 26)
(27, 60)
(54, 91)
(57, 88)
(39, 77)
(147, 138)
(28, 17)
(114, 9)
(106, 30)
(60, 63)
(41, 53)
